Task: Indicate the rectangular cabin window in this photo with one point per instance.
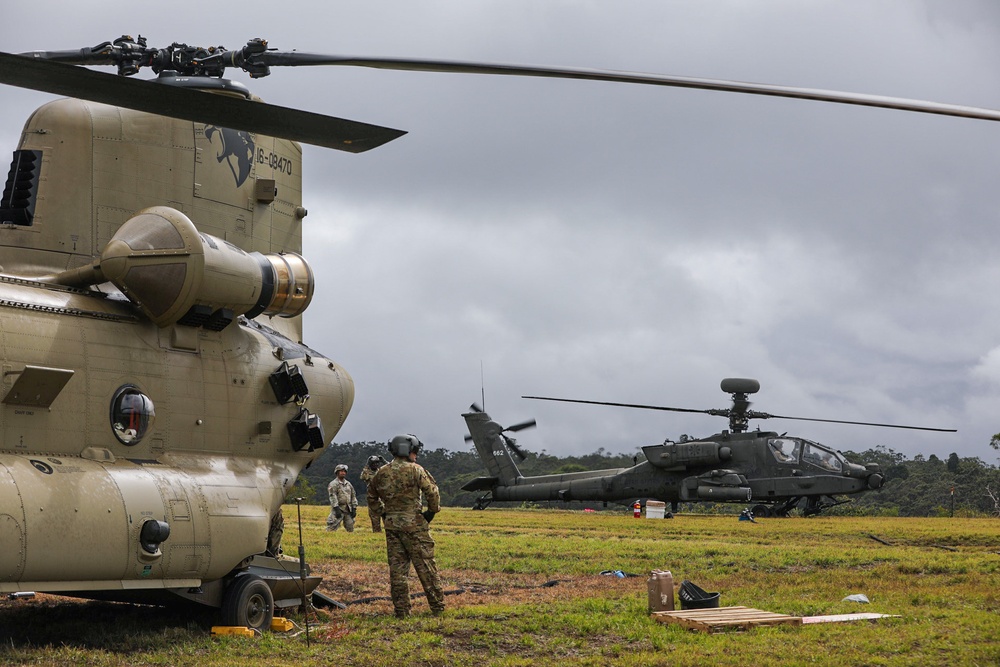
(784, 450)
(821, 457)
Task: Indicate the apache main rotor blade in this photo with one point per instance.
(295, 58)
(764, 415)
(629, 405)
(193, 105)
(752, 414)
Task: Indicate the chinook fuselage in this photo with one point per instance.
(157, 403)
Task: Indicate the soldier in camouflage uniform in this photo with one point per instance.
(375, 510)
(343, 501)
(407, 539)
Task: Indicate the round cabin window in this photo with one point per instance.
(132, 414)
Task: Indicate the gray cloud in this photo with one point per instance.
(609, 242)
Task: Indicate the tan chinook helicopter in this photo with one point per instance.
(157, 400)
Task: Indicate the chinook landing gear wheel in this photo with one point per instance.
(248, 602)
(762, 511)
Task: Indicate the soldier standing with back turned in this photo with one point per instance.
(407, 538)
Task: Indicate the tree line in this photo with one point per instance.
(928, 486)
(914, 487)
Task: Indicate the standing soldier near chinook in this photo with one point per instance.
(375, 510)
(343, 501)
(407, 538)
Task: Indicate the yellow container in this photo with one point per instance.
(279, 624)
(231, 630)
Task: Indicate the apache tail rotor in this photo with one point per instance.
(510, 442)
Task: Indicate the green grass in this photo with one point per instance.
(941, 576)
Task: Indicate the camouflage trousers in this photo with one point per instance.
(416, 547)
(375, 513)
(340, 515)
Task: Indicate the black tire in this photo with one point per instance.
(248, 602)
(761, 511)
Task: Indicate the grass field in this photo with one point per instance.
(940, 576)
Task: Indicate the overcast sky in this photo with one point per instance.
(634, 244)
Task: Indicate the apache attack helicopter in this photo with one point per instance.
(157, 398)
(778, 472)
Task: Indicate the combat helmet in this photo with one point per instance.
(403, 445)
(339, 468)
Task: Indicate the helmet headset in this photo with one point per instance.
(404, 445)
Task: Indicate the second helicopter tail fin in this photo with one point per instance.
(494, 448)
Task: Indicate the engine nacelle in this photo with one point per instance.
(174, 273)
(682, 455)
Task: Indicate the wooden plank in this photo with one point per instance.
(845, 618)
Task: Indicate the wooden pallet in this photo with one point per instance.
(724, 619)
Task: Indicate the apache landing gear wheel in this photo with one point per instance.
(248, 602)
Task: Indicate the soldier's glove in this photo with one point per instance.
(428, 515)
(354, 512)
(337, 513)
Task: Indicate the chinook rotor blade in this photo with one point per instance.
(297, 59)
(193, 105)
(764, 415)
